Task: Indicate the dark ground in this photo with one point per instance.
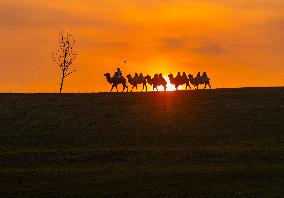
(218, 143)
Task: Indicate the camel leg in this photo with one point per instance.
(116, 88)
(124, 86)
(205, 86)
(165, 88)
(144, 85)
(112, 88)
(188, 85)
(209, 85)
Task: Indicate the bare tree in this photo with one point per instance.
(65, 55)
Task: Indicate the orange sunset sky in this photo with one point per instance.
(238, 42)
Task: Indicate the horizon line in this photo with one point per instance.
(151, 91)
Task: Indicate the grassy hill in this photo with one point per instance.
(223, 142)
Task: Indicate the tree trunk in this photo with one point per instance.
(61, 85)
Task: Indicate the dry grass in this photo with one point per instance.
(224, 143)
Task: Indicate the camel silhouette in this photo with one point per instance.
(199, 80)
(114, 81)
(157, 81)
(136, 80)
(177, 81)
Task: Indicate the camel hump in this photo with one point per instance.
(204, 77)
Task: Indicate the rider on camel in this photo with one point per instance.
(118, 74)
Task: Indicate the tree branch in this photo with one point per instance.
(64, 56)
(70, 73)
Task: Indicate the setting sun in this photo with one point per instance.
(220, 37)
(141, 98)
(170, 87)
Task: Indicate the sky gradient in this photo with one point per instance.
(239, 43)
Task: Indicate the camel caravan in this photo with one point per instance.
(156, 81)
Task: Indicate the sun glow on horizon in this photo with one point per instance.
(220, 37)
(170, 87)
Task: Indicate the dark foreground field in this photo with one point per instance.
(219, 143)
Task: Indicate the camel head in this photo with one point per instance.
(107, 74)
(191, 78)
(129, 76)
(170, 76)
(108, 77)
(148, 78)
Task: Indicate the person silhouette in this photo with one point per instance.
(118, 74)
